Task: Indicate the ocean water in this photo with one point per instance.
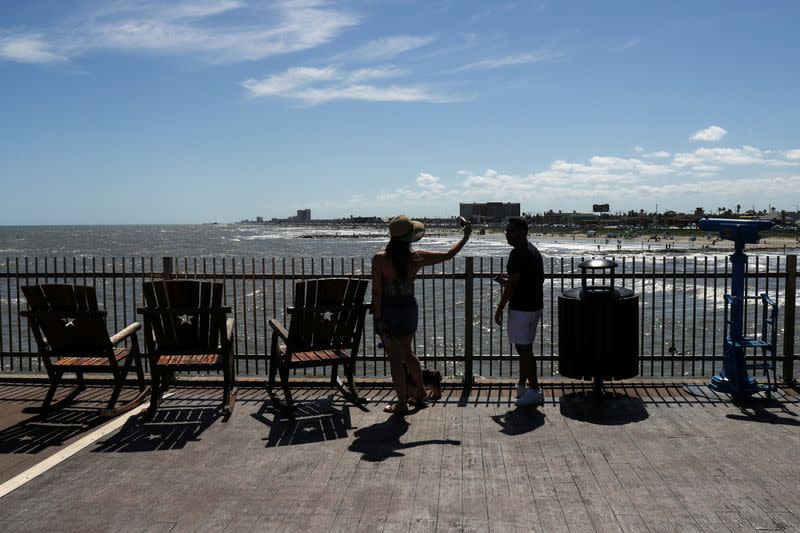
(239, 240)
(680, 314)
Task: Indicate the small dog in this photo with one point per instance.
(431, 379)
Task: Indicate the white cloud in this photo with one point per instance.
(315, 86)
(285, 84)
(724, 187)
(710, 134)
(428, 188)
(202, 9)
(708, 160)
(369, 93)
(507, 61)
(630, 43)
(30, 48)
(638, 149)
(431, 183)
(188, 28)
(364, 74)
(385, 48)
(683, 179)
(660, 154)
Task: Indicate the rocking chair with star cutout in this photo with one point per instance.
(325, 328)
(186, 328)
(71, 336)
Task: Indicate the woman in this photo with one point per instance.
(394, 305)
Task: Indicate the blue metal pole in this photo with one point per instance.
(733, 379)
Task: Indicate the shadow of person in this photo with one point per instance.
(53, 428)
(168, 429)
(380, 441)
(314, 421)
(610, 409)
(519, 421)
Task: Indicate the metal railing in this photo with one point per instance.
(680, 299)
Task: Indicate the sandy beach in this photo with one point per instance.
(667, 243)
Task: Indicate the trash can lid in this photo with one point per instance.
(596, 264)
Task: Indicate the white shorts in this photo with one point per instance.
(522, 326)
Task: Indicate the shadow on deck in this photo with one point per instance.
(648, 455)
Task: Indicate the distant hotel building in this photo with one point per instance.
(489, 211)
(304, 215)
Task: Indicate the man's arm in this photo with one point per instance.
(508, 293)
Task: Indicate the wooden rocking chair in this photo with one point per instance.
(186, 329)
(71, 336)
(325, 329)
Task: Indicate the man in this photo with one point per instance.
(524, 295)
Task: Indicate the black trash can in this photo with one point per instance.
(598, 328)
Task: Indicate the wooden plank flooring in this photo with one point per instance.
(650, 457)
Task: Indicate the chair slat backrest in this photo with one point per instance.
(327, 314)
(185, 316)
(66, 318)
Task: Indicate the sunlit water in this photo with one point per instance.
(237, 240)
(691, 321)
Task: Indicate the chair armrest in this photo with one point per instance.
(769, 301)
(125, 333)
(230, 325)
(279, 329)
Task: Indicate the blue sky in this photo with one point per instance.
(122, 111)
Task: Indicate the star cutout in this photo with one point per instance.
(153, 436)
(186, 320)
(327, 316)
(69, 322)
(25, 438)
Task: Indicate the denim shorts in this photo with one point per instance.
(400, 314)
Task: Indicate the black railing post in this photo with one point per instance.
(166, 268)
(789, 315)
(468, 296)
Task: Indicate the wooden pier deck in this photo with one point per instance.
(652, 458)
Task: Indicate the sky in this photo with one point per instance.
(192, 111)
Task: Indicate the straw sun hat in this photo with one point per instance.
(403, 228)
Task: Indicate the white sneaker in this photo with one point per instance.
(531, 397)
(520, 391)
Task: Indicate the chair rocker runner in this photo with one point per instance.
(325, 329)
(186, 329)
(71, 336)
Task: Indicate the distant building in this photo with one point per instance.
(489, 211)
(260, 220)
(553, 217)
(304, 215)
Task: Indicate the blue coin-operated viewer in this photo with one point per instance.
(734, 379)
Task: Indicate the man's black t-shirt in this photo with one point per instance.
(527, 261)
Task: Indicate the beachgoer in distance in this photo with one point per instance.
(394, 306)
(523, 293)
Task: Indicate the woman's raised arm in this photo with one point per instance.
(432, 258)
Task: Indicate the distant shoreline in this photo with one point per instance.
(668, 240)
